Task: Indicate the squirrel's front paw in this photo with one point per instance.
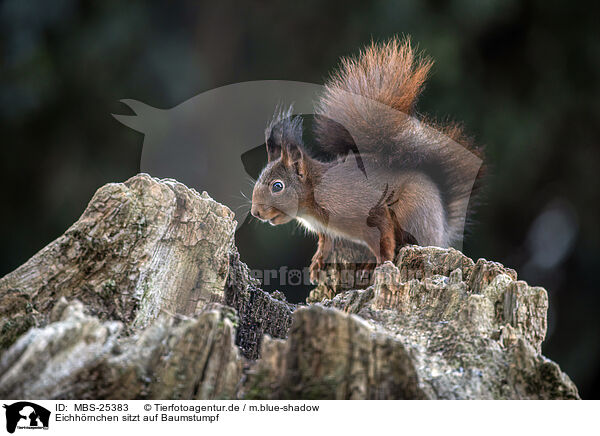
(316, 269)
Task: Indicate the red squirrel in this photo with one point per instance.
(392, 179)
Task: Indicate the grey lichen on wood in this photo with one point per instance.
(145, 296)
(140, 247)
(468, 341)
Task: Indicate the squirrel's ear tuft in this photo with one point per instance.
(283, 129)
(273, 150)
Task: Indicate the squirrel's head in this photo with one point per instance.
(282, 186)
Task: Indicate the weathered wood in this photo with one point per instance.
(259, 312)
(145, 297)
(140, 247)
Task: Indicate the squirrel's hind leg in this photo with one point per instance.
(383, 246)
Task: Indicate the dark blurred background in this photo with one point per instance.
(522, 75)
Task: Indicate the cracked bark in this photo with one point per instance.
(145, 297)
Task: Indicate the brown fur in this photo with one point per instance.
(393, 179)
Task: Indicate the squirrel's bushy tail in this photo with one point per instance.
(368, 106)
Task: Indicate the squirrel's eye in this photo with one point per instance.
(277, 186)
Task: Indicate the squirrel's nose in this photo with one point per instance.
(255, 212)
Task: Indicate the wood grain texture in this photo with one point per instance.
(145, 297)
